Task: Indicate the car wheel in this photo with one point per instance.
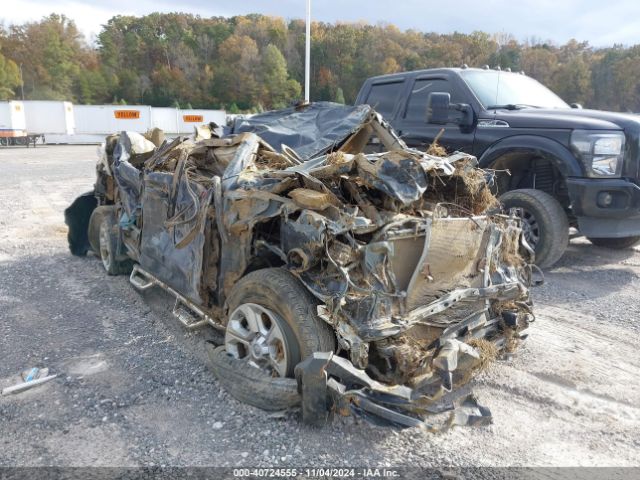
(263, 338)
(251, 385)
(272, 326)
(615, 243)
(95, 221)
(109, 248)
(544, 223)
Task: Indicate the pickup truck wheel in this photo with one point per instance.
(109, 248)
(272, 326)
(615, 243)
(252, 385)
(95, 221)
(544, 223)
(263, 338)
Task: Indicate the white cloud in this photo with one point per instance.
(88, 18)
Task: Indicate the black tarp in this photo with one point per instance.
(311, 130)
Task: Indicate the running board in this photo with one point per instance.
(187, 317)
(190, 315)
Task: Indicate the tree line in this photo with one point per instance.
(256, 62)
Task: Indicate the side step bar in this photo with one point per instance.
(190, 315)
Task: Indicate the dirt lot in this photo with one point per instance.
(134, 388)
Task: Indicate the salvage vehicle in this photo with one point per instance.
(343, 281)
(561, 165)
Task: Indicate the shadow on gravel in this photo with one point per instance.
(582, 254)
(590, 272)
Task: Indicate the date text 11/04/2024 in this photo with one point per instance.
(365, 472)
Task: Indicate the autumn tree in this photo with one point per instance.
(235, 79)
(625, 82)
(51, 53)
(540, 63)
(252, 62)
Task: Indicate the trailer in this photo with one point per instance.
(53, 120)
(166, 119)
(92, 123)
(188, 119)
(13, 127)
(174, 121)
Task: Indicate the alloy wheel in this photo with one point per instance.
(254, 334)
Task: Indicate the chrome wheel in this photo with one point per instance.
(105, 252)
(254, 333)
(530, 228)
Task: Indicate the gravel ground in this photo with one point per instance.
(134, 388)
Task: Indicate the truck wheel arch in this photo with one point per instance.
(521, 148)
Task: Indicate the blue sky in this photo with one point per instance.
(601, 23)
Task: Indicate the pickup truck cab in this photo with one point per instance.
(561, 165)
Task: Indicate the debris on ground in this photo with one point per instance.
(30, 378)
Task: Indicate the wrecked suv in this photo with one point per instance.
(349, 281)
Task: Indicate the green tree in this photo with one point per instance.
(277, 88)
(52, 53)
(9, 77)
(572, 81)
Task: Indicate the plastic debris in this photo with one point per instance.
(32, 378)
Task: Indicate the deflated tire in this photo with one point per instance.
(252, 385)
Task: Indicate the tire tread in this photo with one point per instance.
(251, 385)
(554, 219)
(297, 307)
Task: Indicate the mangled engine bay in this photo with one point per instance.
(413, 266)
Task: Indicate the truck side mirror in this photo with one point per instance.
(464, 116)
(438, 104)
(441, 111)
(576, 105)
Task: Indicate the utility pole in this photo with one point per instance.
(307, 58)
(21, 82)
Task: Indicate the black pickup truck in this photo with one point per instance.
(561, 165)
